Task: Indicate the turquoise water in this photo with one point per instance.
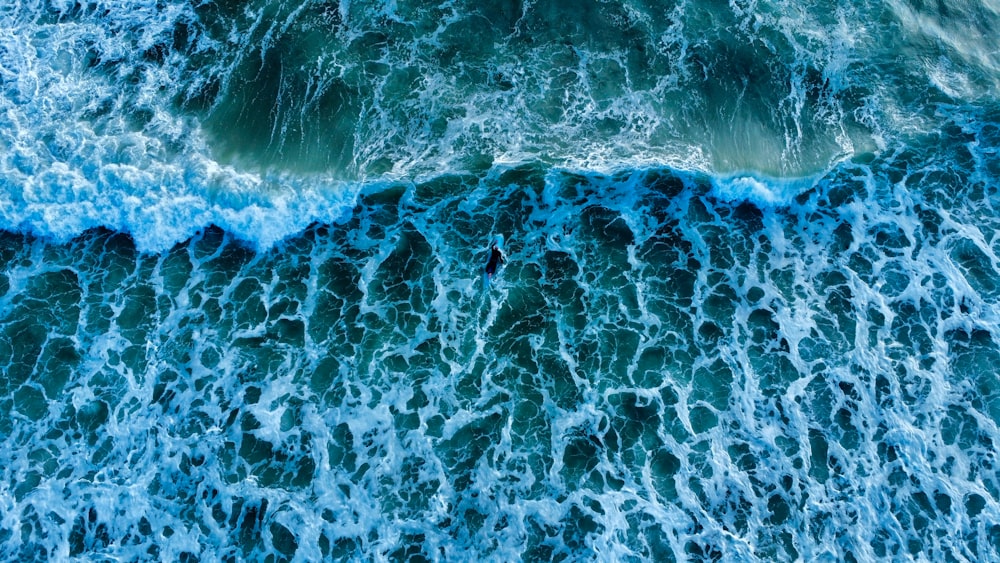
(748, 310)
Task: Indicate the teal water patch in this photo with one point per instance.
(364, 90)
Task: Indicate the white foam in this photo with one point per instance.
(62, 173)
(761, 190)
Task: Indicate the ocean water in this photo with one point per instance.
(749, 310)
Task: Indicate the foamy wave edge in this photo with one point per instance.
(159, 210)
(761, 190)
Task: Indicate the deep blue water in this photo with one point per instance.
(749, 309)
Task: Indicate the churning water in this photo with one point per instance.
(749, 311)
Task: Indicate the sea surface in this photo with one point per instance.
(750, 309)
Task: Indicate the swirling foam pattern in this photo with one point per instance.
(749, 309)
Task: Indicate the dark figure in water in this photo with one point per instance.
(496, 259)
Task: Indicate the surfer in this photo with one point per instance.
(496, 258)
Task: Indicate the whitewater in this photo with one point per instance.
(748, 310)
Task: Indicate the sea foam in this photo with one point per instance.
(748, 311)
